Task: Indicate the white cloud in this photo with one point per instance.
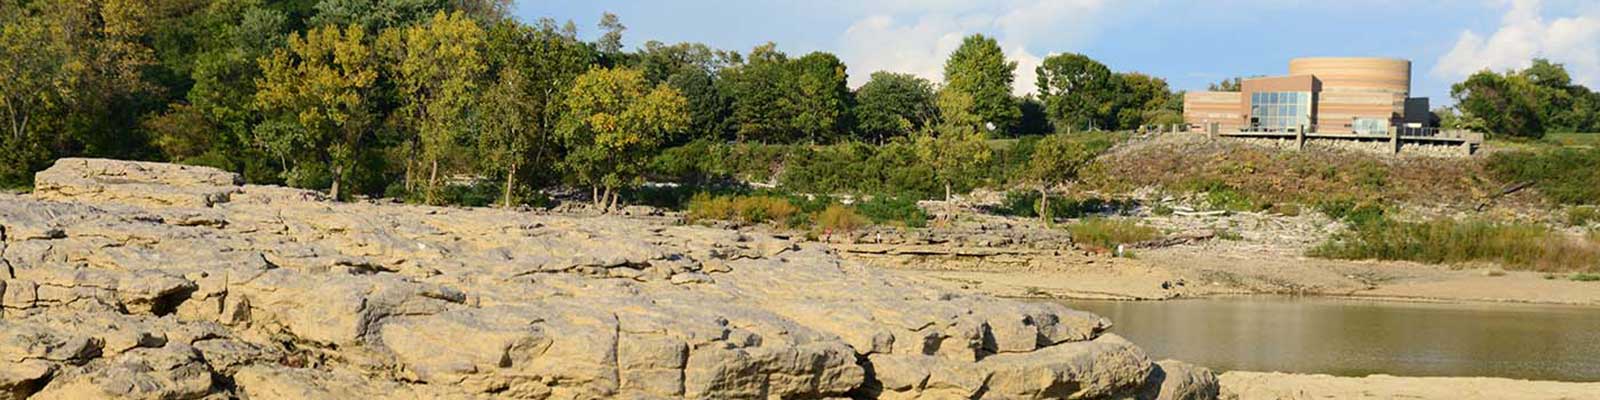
(919, 45)
(1524, 35)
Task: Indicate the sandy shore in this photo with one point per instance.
(1272, 386)
(1200, 271)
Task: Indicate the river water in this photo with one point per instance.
(1357, 338)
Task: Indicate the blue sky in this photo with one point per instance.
(1188, 42)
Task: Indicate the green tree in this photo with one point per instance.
(692, 69)
(614, 122)
(1057, 159)
(979, 68)
(893, 105)
(534, 67)
(761, 91)
(1078, 92)
(1144, 99)
(316, 95)
(439, 66)
(1233, 84)
(955, 147)
(509, 126)
(821, 96)
(1506, 105)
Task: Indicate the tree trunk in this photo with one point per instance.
(510, 177)
(615, 194)
(947, 192)
(594, 195)
(338, 175)
(1044, 206)
(433, 182)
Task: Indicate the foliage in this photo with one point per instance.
(438, 66)
(1505, 105)
(1564, 175)
(1582, 277)
(614, 121)
(1448, 241)
(1078, 92)
(1582, 216)
(897, 210)
(757, 209)
(1108, 233)
(1020, 203)
(317, 97)
(1233, 84)
(978, 69)
(840, 218)
(893, 105)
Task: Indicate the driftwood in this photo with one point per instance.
(1176, 239)
(1507, 190)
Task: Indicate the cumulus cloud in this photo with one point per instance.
(919, 45)
(1524, 35)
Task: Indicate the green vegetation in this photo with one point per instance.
(1524, 103)
(790, 211)
(902, 211)
(1582, 277)
(1026, 204)
(1107, 233)
(1564, 175)
(1582, 216)
(1080, 93)
(1446, 241)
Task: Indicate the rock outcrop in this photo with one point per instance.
(142, 280)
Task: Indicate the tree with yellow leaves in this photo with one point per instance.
(439, 66)
(316, 96)
(614, 122)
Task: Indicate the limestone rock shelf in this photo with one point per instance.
(142, 280)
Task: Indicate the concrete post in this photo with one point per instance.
(1394, 139)
(1300, 138)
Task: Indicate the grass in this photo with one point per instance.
(1574, 139)
(1582, 277)
(1448, 241)
(1564, 175)
(1107, 233)
(1583, 216)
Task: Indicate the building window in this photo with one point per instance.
(1370, 126)
(1280, 111)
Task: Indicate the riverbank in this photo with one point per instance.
(1241, 385)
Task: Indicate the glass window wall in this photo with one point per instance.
(1280, 111)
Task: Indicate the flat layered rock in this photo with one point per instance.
(144, 280)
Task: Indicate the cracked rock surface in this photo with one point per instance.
(157, 281)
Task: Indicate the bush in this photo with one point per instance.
(1523, 246)
(706, 207)
(1025, 204)
(896, 210)
(1581, 277)
(840, 218)
(1582, 216)
(1567, 176)
(1351, 211)
(1107, 233)
(764, 209)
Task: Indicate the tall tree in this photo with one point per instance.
(440, 64)
(1506, 105)
(893, 104)
(822, 97)
(316, 96)
(955, 147)
(533, 68)
(1142, 99)
(614, 122)
(692, 69)
(1078, 92)
(979, 69)
(1233, 84)
(762, 93)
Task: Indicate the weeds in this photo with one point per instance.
(1521, 246)
(1583, 216)
(896, 210)
(1107, 233)
(840, 218)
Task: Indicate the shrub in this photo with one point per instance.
(706, 207)
(1581, 277)
(764, 209)
(1523, 246)
(1565, 175)
(1020, 203)
(840, 218)
(897, 210)
(1108, 233)
(1582, 216)
(1351, 211)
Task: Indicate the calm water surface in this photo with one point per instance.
(1355, 338)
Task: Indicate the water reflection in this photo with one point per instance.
(1351, 337)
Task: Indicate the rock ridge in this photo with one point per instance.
(145, 280)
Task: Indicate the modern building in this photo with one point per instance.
(1322, 94)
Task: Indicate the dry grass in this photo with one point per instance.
(1446, 241)
(839, 218)
(742, 209)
